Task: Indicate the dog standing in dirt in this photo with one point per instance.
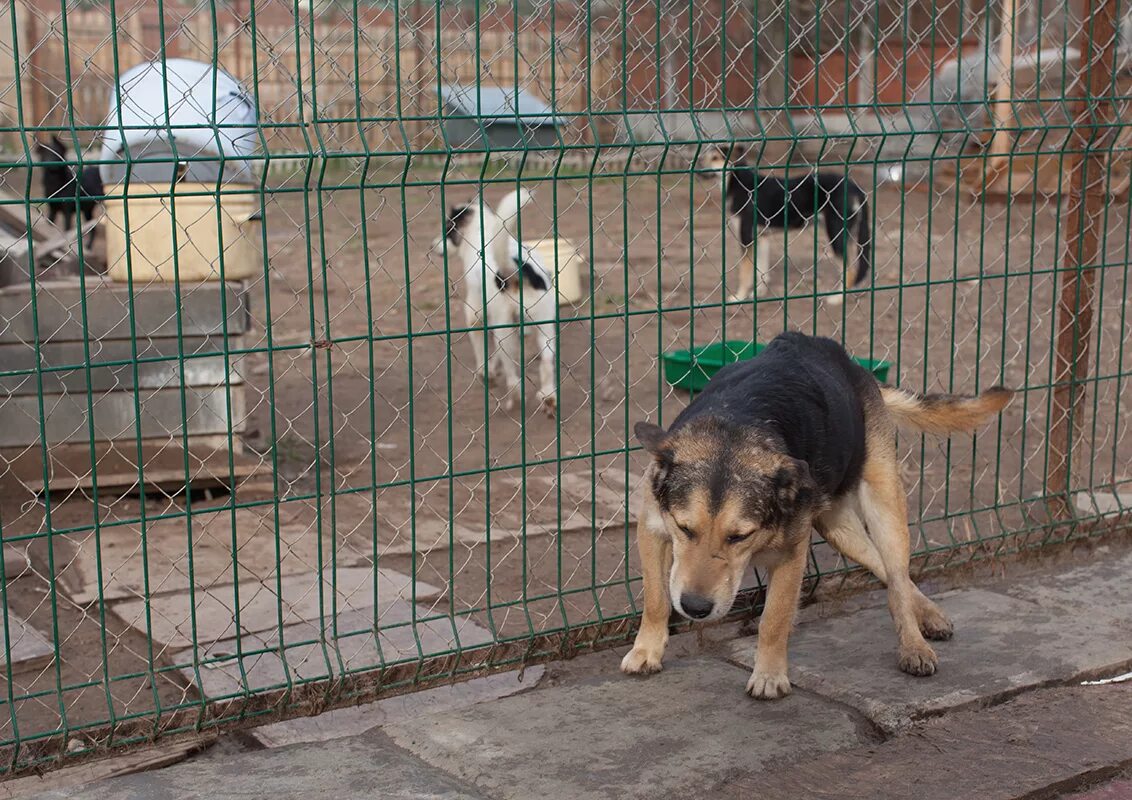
(757, 201)
(504, 282)
(61, 186)
(799, 437)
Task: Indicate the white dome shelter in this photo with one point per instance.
(182, 198)
(184, 107)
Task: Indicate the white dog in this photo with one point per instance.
(504, 283)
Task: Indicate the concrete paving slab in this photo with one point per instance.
(126, 575)
(29, 648)
(612, 736)
(16, 562)
(171, 619)
(354, 649)
(352, 721)
(1101, 587)
(1001, 645)
(1042, 744)
(1103, 503)
(359, 768)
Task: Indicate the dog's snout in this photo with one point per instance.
(695, 606)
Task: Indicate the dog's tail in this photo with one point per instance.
(944, 413)
(864, 243)
(508, 209)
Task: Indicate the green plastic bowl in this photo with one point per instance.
(692, 369)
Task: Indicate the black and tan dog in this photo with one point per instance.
(799, 437)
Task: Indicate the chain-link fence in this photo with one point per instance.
(249, 465)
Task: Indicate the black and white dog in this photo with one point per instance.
(504, 283)
(756, 201)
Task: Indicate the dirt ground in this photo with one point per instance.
(380, 444)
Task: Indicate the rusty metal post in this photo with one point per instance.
(1084, 217)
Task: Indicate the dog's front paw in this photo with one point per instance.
(741, 297)
(549, 405)
(835, 300)
(641, 661)
(919, 660)
(768, 685)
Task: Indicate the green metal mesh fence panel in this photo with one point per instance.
(287, 486)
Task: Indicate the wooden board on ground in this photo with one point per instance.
(29, 648)
(163, 467)
(158, 755)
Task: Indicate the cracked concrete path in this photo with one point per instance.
(1006, 717)
(1042, 744)
(1002, 646)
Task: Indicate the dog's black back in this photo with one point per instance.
(806, 393)
(771, 201)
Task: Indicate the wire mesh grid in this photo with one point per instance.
(231, 501)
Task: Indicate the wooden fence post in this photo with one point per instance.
(1084, 218)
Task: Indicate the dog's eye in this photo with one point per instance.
(690, 534)
(735, 538)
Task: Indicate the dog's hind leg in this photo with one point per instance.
(656, 563)
(508, 346)
(474, 321)
(844, 530)
(885, 511)
(544, 335)
(934, 624)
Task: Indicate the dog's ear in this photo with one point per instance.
(453, 222)
(792, 491)
(654, 438)
(651, 437)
